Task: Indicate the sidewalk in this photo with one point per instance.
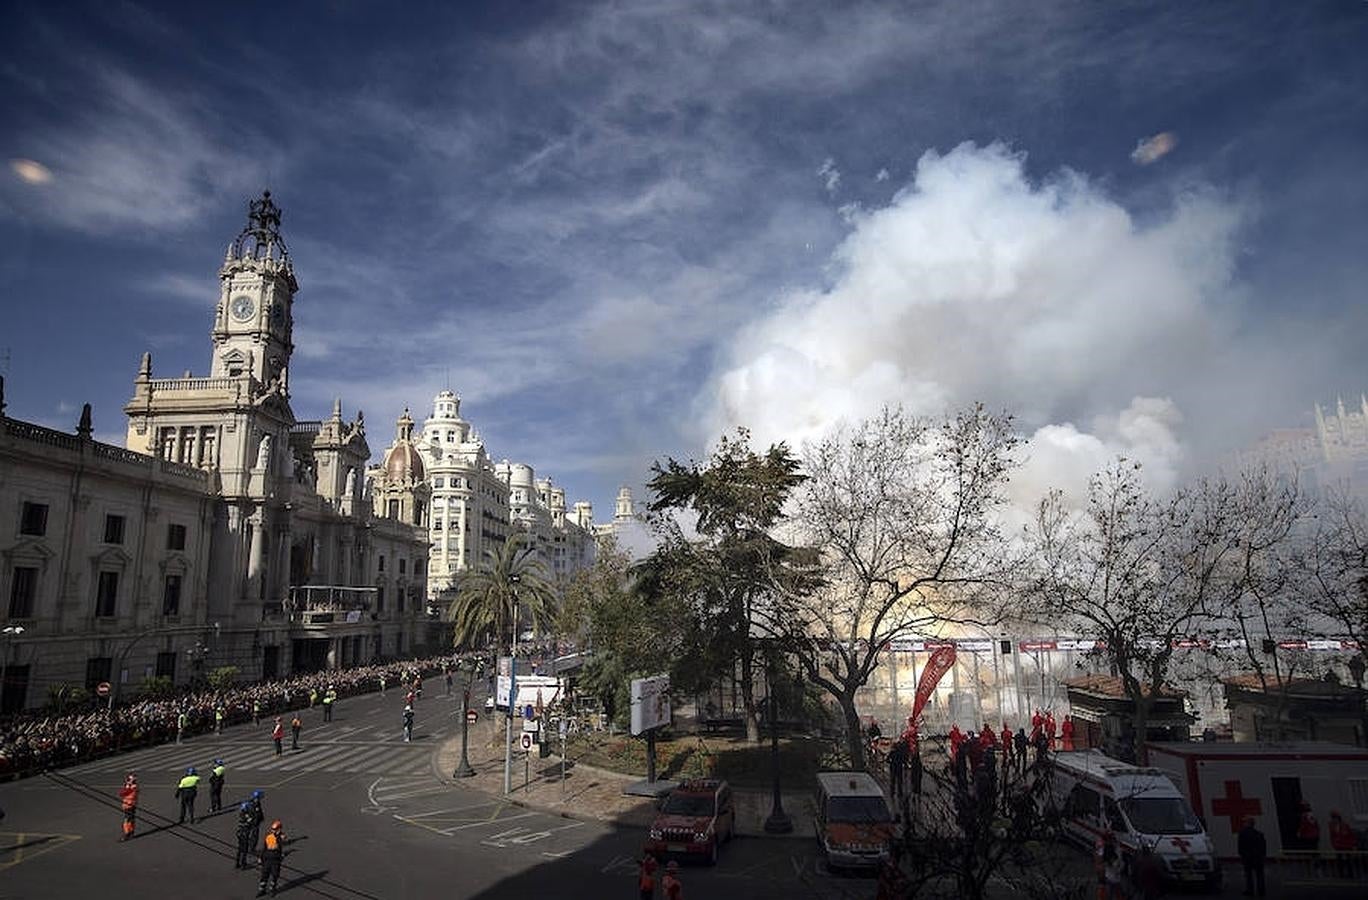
(591, 793)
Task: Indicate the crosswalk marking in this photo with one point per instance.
(354, 757)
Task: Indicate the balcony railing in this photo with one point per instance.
(323, 604)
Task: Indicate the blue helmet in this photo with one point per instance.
(257, 795)
(218, 762)
(191, 771)
(244, 807)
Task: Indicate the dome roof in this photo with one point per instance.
(403, 461)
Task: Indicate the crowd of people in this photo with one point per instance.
(32, 742)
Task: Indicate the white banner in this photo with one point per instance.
(650, 703)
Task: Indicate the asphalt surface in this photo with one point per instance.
(377, 821)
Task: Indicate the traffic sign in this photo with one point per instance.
(526, 740)
(102, 688)
(471, 716)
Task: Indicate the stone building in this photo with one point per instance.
(227, 532)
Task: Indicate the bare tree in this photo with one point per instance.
(1335, 564)
(1146, 575)
(897, 514)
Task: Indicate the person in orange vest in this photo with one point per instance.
(272, 855)
(1066, 733)
(128, 796)
(278, 735)
(671, 886)
(646, 877)
(956, 738)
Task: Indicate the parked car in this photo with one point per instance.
(694, 819)
(854, 825)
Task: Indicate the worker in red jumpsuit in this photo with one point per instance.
(1066, 733)
(956, 738)
(1051, 729)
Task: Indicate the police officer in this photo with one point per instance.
(272, 854)
(408, 724)
(328, 700)
(182, 723)
(216, 786)
(258, 815)
(246, 826)
(185, 792)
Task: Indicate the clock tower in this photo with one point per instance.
(253, 320)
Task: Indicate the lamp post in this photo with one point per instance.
(464, 770)
(779, 821)
(10, 632)
(513, 581)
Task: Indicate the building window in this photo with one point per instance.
(380, 598)
(403, 563)
(393, 509)
(23, 591)
(114, 529)
(382, 562)
(166, 665)
(171, 595)
(33, 520)
(417, 567)
(399, 599)
(107, 594)
(175, 537)
(206, 446)
(439, 482)
(436, 524)
(98, 669)
(187, 445)
(166, 442)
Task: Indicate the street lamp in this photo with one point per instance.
(779, 821)
(10, 632)
(469, 666)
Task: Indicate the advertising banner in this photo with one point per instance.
(936, 667)
(650, 703)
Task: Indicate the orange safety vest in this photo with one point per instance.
(272, 841)
(130, 797)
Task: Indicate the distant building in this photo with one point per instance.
(227, 533)
(536, 508)
(1311, 709)
(1334, 452)
(1103, 715)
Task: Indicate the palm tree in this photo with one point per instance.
(509, 576)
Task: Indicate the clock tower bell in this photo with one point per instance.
(254, 318)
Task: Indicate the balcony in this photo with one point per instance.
(326, 604)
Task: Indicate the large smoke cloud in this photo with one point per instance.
(1048, 299)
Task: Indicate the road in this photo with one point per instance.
(378, 822)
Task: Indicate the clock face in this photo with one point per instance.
(242, 307)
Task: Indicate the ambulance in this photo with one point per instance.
(1141, 806)
(1270, 782)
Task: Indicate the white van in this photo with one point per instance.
(854, 825)
(1141, 806)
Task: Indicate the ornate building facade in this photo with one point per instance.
(227, 532)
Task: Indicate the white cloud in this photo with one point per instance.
(1152, 149)
(974, 283)
(830, 175)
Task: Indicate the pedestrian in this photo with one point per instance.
(956, 738)
(272, 855)
(1308, 829)
(256, 713)
(1050, 728)
(128, 799)
(1021, 743)
(1006, 739)
(219, 716)
(1344, 842)
(246, 825)
(897, 765)
(1107, 859)
(182, 723)
(295, 727)
(328, 700)
(448, 681)
(258, 815)
(410, 697)
(313, 697)
(914, 763)
(1042, 744)
(408, 724)
(216, 786)
(646, 871)
(382, 684)
(1253, 850)
(185, 792)
(670, 886)
(278, 735)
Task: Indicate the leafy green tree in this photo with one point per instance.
(509, 586)
(222, 677)
(717, 579)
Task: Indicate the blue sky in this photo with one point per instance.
(620, 228)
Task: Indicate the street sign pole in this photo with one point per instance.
(464, 770)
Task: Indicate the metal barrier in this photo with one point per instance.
(1324, 867)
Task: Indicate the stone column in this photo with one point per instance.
(332, 654)
(256, 556)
